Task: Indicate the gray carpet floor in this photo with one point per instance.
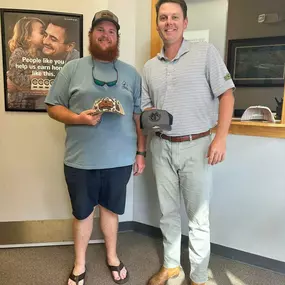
(142, 255)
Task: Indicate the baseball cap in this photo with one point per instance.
(156, 120)
(105, 15)
(258, 113)
(107, 104)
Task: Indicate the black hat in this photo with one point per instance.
(156, 120)
(105, 15)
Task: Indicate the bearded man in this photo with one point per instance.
(101, 148)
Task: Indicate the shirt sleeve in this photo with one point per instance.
(137, 94)
(59, 92)
(146, 101)
(217, 73)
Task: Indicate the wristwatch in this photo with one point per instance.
(143, 153)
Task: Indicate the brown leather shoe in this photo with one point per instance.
(163, 275)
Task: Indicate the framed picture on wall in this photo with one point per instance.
(36, 45)
(257, 62)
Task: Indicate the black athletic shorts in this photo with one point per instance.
(89, 188)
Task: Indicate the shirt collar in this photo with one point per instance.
(184, 48)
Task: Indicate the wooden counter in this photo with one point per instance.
(259, 129)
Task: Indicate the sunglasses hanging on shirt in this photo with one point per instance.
(102, 83)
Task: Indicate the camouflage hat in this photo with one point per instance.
(105, 15)
(107, 104)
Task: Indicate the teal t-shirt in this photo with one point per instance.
(112, 142)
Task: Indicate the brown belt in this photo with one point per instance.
(183, 138)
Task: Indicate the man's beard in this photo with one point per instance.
(109, 54)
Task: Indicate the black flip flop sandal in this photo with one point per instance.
(118, 269)
(77, 278)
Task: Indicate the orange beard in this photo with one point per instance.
(109, 54)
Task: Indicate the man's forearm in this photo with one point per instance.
(225, 114)
(141, 138)
(141, 145)
(63, 115)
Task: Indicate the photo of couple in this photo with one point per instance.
(36, 45)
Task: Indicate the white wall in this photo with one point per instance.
(32, 185)
(146, 206)
(247, 208)
(209, 15)
(143, 31)
(248, 199)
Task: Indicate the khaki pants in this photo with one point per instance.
(181, 169)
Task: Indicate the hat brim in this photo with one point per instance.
(96, 22)
(157, 128)
(165, 127)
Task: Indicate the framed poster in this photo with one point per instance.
(36, 45)
(257, 62)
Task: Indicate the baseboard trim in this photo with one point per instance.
(59, 232)
(248, 258)
(46, 244)
(216, 249)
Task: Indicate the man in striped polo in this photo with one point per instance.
(191, 82)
